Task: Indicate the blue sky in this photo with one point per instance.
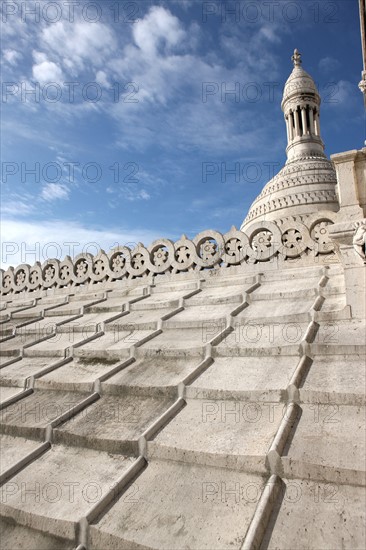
(131, 130)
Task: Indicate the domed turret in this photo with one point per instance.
(301, 105)
(307, 183)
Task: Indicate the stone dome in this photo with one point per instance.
(298, 81)
(303, 186)
(307, 183)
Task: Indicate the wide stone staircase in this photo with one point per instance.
(206, 410)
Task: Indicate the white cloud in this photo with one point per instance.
(39, 57)
(55, 191)
(17, 206)
(329, 64)
(101, 78)
(47, 72)
(144, 195)
(158, 29)
(79, 45)
(12, 57)
(270, 33)
(28, 242)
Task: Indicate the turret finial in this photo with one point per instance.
(296, 58)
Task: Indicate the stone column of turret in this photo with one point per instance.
(301, 96)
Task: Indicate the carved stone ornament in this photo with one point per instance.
(359, 239)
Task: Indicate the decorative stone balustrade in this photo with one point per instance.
(209, 249)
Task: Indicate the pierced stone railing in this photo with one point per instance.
(209, 249)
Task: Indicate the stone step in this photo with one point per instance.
(54, 492)
(37, 310)
(141, 319)
(334, 349)
(172, 286)
(45, 326)
(175, 505)
(30, 416)
(7, 330)
(8, 312)
(112, 424)
(331, 289)
(76, 375)
(110, 306)
(116, 301)
(187, 342)
(342, 332)
(12, 324)
(6, 392)
(270, 292)
(316, 515)
(154, 375)
(113, 345)
(219, 295)
(245, 317)
(230, 349)
(233, 434)
(14, 344)
(16, 537)
(265, 336)
(337, 380)
(245, 379)
(276, 307)
(157, 305)
(17, 373)
(56, 345)
(286, 287)
(52, 299)
(163, 300)
(296, 276)
(14, 449)
(200, 316)
(333, 303)
(328, 444)
(68, 309)
(8, 360)
(228, 281)
(87, 323)
(85, 297)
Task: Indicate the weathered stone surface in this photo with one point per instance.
(113, 345)
(223, 433)
(30, 416)
(199, 316)
(245, 379)
(16, 373)
(54, 492)
(151, 375)
(342, 332)
(7, 392)
(317, 515)
(14, 449)
(189, 342)
(328, 445)
(14, 536)
(196, 509)
(335, 379)
(112, 424)
(249, 333)
(77, 375)
(56, 345)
